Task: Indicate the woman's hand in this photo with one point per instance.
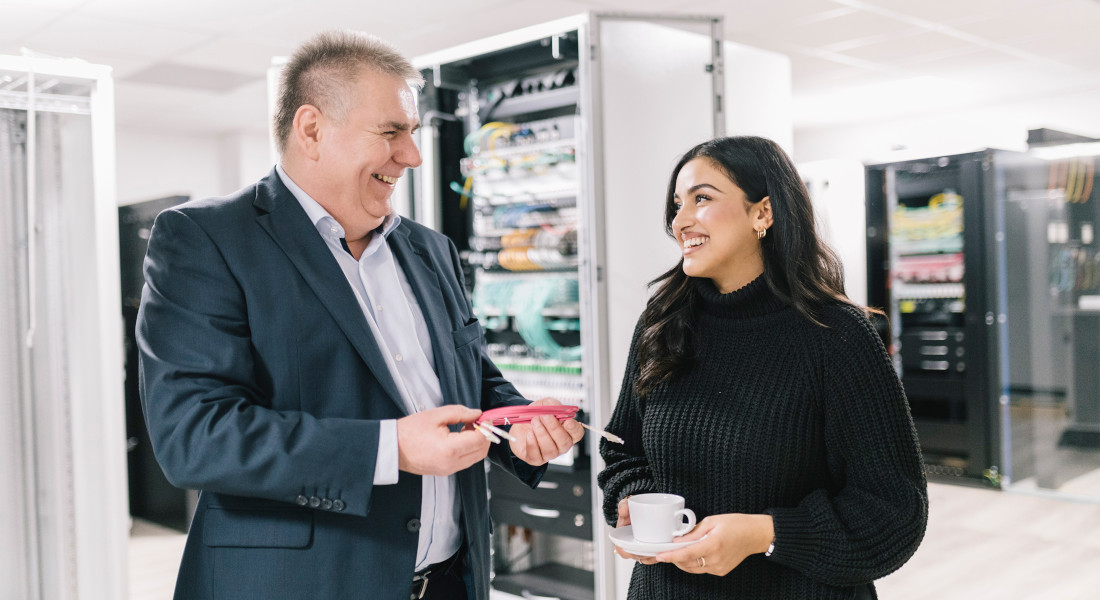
(730, 539)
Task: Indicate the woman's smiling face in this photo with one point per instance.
(717, 226)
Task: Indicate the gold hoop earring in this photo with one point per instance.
(760, 233)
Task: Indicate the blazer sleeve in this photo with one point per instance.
(496, 391)
(627, 468)
(874, 523)
(209, 421)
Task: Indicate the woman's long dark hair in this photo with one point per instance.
(799, 268)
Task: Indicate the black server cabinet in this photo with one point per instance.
(505, 133)
(151, 496)
(934, 230)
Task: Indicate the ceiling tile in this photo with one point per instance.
(75, 35)
(759, 18)
(909, 49)
(508, 17)
(232, 55)
(21, 20)
(963, 59)
(292, 26)
(199, 16)
(944, 10)
(636, 6)
(811, 73)
(60, 6)
(844, 27)
(194, 78)
(1063, 48)
(1068, 18)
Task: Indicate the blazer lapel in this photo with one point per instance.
(285, 221)
(416, 262)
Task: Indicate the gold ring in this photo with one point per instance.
(702, 561)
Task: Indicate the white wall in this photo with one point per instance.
(950, 131)
(758, 94)
(153, 164)
(246, 157)
(837, 190)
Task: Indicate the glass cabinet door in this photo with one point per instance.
(1051, 339)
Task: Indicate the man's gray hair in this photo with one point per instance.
(323, 70)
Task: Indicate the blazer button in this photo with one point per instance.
(413, 525)
(301, 500)
(326, 504)
(338, 505)
(314, 502)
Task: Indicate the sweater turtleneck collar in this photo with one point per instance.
(754, 299)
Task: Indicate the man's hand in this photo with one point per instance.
(425, 445)
(545, 437)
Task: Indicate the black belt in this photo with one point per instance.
(423, 576)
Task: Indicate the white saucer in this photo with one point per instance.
(623, 537)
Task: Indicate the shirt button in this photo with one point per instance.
(333, 229)
(413, 525)
(338, 505)
(378, 308)
(398, 358)
(419, 407)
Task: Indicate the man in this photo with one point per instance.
(310, 362)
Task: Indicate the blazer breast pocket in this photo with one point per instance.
(467, 334)
(259, 528)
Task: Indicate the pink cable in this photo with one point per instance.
(507, 415)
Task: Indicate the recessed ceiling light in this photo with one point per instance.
(195, 78)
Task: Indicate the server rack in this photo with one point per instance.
(152, 497)
(61, 423)
(935, 252)
(553, 199)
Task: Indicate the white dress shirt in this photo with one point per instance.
(391, 310)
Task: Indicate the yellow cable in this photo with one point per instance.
(1087, 193)
(1071, 182)
(497, 133)
(466, 188)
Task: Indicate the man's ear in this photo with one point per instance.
(763, 212)
(305, 134)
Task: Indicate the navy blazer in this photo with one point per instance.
(263, 387)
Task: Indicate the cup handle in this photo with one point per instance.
(685, 527)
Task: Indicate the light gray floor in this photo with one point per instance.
(155, 553)
(1002, 545)
(981, 544)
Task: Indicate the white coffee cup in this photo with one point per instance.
(657, 518)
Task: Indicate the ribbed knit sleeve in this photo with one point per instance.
(627, 471)
(878, 518)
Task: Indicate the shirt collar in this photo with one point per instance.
(321, 219)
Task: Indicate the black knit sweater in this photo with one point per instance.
(782, 416)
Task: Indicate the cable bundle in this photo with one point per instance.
(534, 296)
(937, 227)
(510, 415)
(527, 300)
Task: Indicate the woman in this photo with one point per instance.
(760, 393)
